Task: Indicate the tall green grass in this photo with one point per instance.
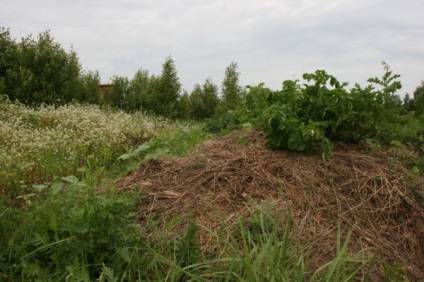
(257, 248)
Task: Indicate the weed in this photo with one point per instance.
(37, 145)
(66, 231)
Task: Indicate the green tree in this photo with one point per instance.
(204, 100)
(210, 92)
(36, 71)
(196, 101)
(8, 49)
(184, 106)
(232, 92)
(408, 103)
(418, 101)
(90, 88)
(117, 95)
(167, 90)
(153, 94)
(138, 92)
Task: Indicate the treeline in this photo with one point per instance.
(162, 94)
(415, 103)
(37, 71)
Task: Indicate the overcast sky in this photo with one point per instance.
(270, 40)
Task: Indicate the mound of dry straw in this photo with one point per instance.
(360, 190)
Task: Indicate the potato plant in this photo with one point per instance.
(319, 112)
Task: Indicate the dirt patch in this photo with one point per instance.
(365, 192)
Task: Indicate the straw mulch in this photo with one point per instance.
(359, 190)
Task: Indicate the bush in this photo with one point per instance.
(300, 116)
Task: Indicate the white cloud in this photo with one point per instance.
(272, 40)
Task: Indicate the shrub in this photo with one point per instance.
(300, 116)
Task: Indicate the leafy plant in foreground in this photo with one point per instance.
(72, 229)
(151, 149)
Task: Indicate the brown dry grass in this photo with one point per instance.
(360, 190)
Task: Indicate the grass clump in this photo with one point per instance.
(259, 248)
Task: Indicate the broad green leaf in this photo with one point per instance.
(145, 146)
(124, 157)
(70, 179)
(301, 147)
(150, 156)
(39, 187)
(293, 143)
(56, 188)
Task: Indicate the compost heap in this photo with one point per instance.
(359, 189)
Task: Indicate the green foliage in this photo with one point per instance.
(232, 92)
(36, 71)
(166, 91)
(300, 116)
(150, 150)
(139, 93)
(418, 101)
(407, 129)
(388, 83)
(159, 95)
(184, 141)
(139, 96)
(260, 248)
(408, 103)
(404, 134)
(197, 104)
(184, 107)
(229, 121)
(64, 229)
(117, 95)
(204, 100)
(178, 144)
(84, 236)
(69, 225)
(8, 52)
(90, 88)
(187, 252)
